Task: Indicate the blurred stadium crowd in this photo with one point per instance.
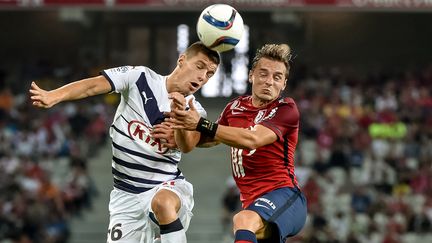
(364, 158)
(43, 162)
(365, 155)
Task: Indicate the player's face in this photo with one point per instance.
(195, 71)
(268, 80)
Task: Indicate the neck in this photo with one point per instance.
(168, 83)
(258, 103)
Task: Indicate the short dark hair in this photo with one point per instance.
(277, 52)
(198, 46)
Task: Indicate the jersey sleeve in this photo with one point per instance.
(119, 78)
(222, 119)
(285, 117)
(198, 106)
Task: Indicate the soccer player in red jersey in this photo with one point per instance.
(262, 130)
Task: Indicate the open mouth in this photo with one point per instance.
(195, 85)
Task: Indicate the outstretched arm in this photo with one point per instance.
(73, 91)
(233, 136)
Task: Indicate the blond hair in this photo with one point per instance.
(276, 52)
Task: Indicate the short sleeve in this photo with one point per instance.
(197, 105)
(282, 119)
(119, 78)
(222, 119)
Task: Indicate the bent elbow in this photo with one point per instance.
(251, 146)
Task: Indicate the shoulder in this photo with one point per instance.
(237, 102)
(286, 100)
(284, 111)
(136, 69)
(143, 73)
(126, 69)
(149, 72)
(287, 103)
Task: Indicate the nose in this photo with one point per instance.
(202, 76)
(269, 81)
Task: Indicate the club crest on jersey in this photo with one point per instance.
(141, 132)
(260, 116)
(122, 69)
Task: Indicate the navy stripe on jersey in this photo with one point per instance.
(134, 189)
(285, 148)
(124, 118)
(109, 80)
(149, 101)
(128, 187)
(134, 110)
(145, 156)
(135, 179)
(121, 132)
(286, 161)
(142, 167)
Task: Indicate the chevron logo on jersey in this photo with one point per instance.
(141, 132)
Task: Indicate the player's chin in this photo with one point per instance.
(267, 96)
(190, 91)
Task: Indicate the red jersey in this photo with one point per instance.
(269, 167)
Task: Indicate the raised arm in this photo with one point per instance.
(73, 91)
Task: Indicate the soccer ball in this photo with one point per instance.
(220, 27)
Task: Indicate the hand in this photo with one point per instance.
(41, 98)
(182, 119)
(165, 134)
(178, 101)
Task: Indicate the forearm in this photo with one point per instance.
(186, 140)
(82, 89)
(207, 142)
(237, 137)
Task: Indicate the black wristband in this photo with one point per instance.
(207, 127)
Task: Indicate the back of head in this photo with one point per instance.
(276, 52)
(199, 47)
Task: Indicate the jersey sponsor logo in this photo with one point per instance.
(139, 131)
(260, 116)
(145, 97)
(265, 203)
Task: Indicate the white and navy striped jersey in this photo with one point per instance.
(139, 162)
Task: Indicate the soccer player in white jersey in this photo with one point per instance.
(151, 201)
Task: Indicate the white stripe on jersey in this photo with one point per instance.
(138, 159)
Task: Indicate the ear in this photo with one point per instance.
(181, 60)
(250, 76)
(285, 83)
